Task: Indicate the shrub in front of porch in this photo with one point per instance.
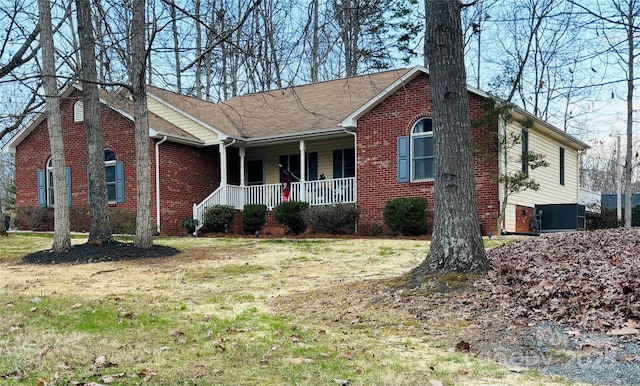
(289, 215)
(33, 216)
(218, 218)
(406, 216)
(254, 216)
(122, 221)
(335, 219)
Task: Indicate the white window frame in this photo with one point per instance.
(78, 112)
(420, 135)
(48, 182)
(111, 163)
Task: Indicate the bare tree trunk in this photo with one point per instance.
(225, 58)
(424, 45)
(630, 86)
(143, 235)
(315, 43)
(198, 81)
(348, 18)
(176, 44)
(208, 57)
(61, 226)
(271, 54)
(98, 200)
(504, 159)
(153, 26)
(103, 61)
(456, 244)
(74, 43)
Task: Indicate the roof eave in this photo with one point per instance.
(289, 136)
(223, 136)
(352, 120)
(175, 138)
(554, 130)
(12, 144)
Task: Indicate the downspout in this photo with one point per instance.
(158, 183)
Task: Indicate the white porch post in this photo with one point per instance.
(303, 171)
(242, 158)
(223, 173)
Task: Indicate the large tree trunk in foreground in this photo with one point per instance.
(61, 226)
(98, 200)
(456, 244)
(143, 238)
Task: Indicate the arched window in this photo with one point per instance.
(110, 172)
(78, 111)
(46, 184)
(49, 182)
(422, 150)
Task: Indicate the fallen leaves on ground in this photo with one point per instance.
(589, 280)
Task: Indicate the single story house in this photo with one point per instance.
(364, 139)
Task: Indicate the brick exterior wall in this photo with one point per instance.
(524, 214)
(187, 174)
(378, 131)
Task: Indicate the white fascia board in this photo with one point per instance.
(554, 130)
(175, 138)
(220, 134)
(152, 132)
(352, 119)
(290, 136)
(579, 144)
(10, 146)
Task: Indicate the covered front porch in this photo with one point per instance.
(272, 173)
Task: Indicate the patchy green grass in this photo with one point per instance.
(227, 312)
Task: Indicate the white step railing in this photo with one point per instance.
(590, 199)
(318, 192)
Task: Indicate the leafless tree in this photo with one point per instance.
(619, 24)
(19, 48)
(61, 227)
(456, 244)
(366, 28)
(98, 202)
(143, 237)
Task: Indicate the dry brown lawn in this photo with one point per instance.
(333, 288)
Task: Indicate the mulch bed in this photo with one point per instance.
(99, 252)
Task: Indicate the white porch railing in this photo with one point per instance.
(590, 199)
(318, 192)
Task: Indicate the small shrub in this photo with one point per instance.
(218, 218)
(79, 218)
(334, 219)
(635, 216)
(607, 218)
(406, 216)
(33, 216)
(254, 216)
(376, 229)
(289, 215)
(122, 221)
